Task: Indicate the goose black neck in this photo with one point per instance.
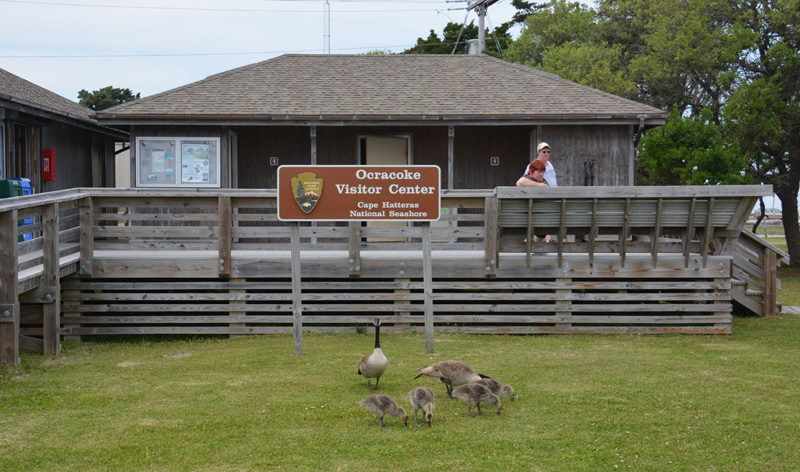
(377, 336)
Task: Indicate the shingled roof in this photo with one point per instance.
(382, 88)
(18, 90)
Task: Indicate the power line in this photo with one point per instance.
(463, 25)
(192, 54)
(240, 10)
(494, 33)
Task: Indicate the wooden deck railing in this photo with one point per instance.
(755, 268)
(625, 259)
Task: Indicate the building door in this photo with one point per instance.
(23, 150)
(385, 151)
(19, 155)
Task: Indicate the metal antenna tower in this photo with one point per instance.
(326, 32)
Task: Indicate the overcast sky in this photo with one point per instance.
(155, 45)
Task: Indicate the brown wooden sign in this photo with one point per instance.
(336, 193)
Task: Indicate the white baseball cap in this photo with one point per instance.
(541, 146)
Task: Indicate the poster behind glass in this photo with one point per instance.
(198, 162)
(157, 162)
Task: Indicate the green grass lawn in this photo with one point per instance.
(586, 403)
(768, 229)
(789, 294)
(779, 242)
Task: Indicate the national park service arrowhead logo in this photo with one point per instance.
(307, 190)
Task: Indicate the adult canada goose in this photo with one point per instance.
(473, 394)
(422, 398)
(383, 405)
(451, 374)
(374, 365)
(502, 391)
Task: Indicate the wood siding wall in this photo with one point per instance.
(590, 155)
(582, 154)
(74, 147)
(474, 146)
(73, 156)
(290, 144)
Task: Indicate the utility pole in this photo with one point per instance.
(481, 6)
(326, 32)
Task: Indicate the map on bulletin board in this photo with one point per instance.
(195, 163)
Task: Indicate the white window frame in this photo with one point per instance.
(179, 183)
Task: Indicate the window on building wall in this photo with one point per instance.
(177, 162)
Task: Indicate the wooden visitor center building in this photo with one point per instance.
(195, 246)
(478, 118)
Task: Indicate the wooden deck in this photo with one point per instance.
(624, 259)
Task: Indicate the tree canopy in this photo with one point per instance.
(690, 151)
(105, 97)
(730, 71)
(454, 40)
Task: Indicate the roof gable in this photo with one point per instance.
(17, 89)
(383, 87)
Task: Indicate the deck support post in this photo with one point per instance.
(297, 295)
(69, 307)
(623, 235)
(402, 299)
(688, 234)
(451, 136)
(593, 233)
(427, 274)
(224, 235)
(312, 136)
(770, 283)
(708, 234)
(727, 326)
(563, 304)
(529, 235)
(354, 248)
(491, 252)
(9, 302)
(236, 299)
(657, 231)
(86, 211)
(51, 309)
(562, 233)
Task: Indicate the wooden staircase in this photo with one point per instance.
(755, 282)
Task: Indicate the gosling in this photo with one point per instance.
(473, 394)
(502, 391)
(422, 398)
(374, 365)
(383, 405)
(451, 374)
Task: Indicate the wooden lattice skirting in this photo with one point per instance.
(511, 306)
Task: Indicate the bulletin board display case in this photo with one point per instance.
(177, 162)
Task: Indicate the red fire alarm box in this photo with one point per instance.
(49, 164)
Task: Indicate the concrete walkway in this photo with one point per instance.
(792, 310)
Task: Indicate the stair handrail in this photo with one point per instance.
(760, 270)
(783, 256)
